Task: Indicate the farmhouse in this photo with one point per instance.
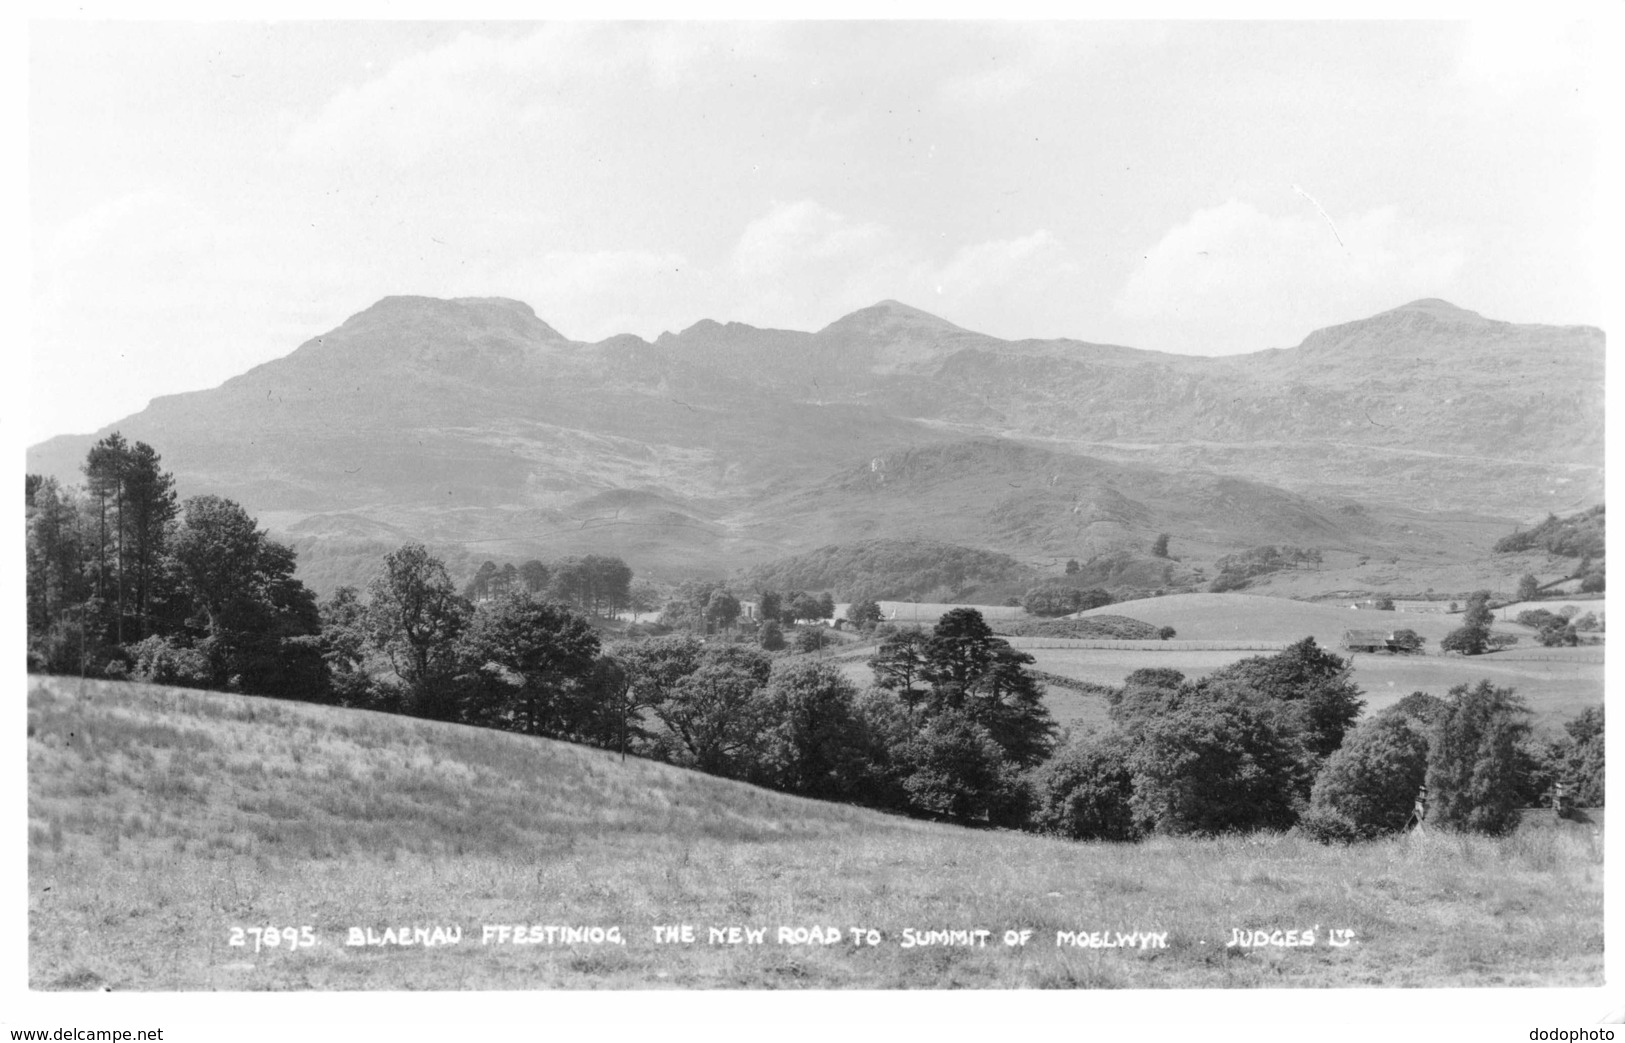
(1370, 641)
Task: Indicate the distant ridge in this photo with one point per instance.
(475, 423)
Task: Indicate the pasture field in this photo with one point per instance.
(160, 820)
(1251, 617)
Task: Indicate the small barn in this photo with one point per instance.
(1370, 641)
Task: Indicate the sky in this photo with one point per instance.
(204, 197)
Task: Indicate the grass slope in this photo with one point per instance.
(159, 819)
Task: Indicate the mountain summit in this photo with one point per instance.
(473, 421)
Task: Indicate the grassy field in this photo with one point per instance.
(160, 820)
(1251, 617)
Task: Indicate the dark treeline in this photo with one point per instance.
(594, 584)
(124, 581)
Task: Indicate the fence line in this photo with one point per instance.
(1548, 657)
(1147, 646)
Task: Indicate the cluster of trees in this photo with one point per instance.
(1473, 637)
(1582, 535)
(1473, 749)
(1057, 600)
(1556, 628)
(967, 721)
(706, 606)
(1238, 570)
(123, 579)
(889, 568)
(594, 584)
(1270, 743)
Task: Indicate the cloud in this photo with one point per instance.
(480, 87)
(1233, 266)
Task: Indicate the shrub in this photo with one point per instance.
(1327, 826)
(811, 639)
(1593, 583)
(1165, 633)
(159, 660)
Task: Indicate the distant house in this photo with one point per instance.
(1370, 641)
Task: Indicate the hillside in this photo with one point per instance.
(890, 568)
(165, 825)
(473, 423)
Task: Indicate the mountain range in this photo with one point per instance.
(477, 427)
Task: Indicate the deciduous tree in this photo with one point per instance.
(1474, 759)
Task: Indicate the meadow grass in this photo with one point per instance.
(159, 819)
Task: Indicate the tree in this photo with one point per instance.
(771, 636)
(536, 660)
(1072, 566)
(864, 613)
(654, 667)
(55, 562)
(150, 507)
(1474, 759)
(346, 650)
(769, 607)
(721, 609)
(899, 665)
(814, 746)
(1215, 763)
(1371, 782)
(802, 607)
(1159, 547)
(1580, 759)
(980, 676)
(1309, 688)
(1473, 636)
(1085, 791)
(416, 618)
(260, 624)
(534, 576)
(715, 717)
(104, 469)
(480, 587)
(1528, 587)
(959, 649)
(1406, 641)
(1009, 703)
(955, 770)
